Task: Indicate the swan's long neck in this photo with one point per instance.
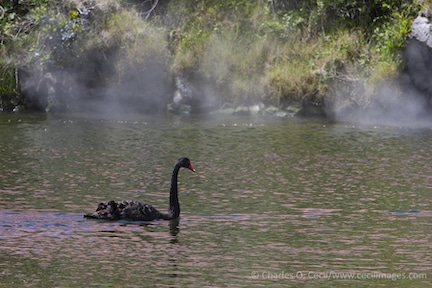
(174, 206)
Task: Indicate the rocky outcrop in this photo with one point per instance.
(193, 94)
(421, 28)
(417, 72)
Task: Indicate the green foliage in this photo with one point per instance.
(7, 77)
(8, 88)
(50, 32)
(289, 25)
(285, 51)
(391, 36)
(306, 36)
(224, 59)
(136, 41)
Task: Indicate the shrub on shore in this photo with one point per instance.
(283, 52)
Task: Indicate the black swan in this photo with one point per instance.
(138, 211)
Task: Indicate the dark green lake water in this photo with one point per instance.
(274, 203)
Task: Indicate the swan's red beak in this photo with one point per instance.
(191, 168)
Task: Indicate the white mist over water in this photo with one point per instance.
(387, 107)
(115, 76)
(120, 65)
(401, 101)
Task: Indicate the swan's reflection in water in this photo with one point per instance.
(174, 229)
(278, 196)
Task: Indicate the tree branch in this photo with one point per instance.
(148, 13)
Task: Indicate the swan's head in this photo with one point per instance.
(185, 162)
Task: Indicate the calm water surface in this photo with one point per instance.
(274, 203)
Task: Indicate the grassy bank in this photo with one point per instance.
(278, 52)
(289, 51)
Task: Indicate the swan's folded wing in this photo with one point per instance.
(135, 210)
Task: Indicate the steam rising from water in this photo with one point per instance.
(141, 90)
(121, 66)
(389, 106)
(126, 69)
(403, 101)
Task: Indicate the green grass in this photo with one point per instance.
(250, 51)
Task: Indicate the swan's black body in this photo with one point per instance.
(138, 211)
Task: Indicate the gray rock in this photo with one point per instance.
(421, 28)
